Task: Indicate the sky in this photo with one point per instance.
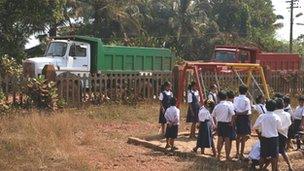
(280, 7)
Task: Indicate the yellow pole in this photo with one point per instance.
(249, 78)
(264, 82)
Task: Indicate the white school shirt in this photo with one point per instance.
(167, 92)
(213, 97)
(298, 113)
(269, 124)
(255, 153)
(242, 104)
(222, 112)
(196, 93)
(289, 110)
(231, 105)
(286, 121)
(260, 108)
(204, 114)
(172, 115)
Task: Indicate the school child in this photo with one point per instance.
(255, 156)
(230, 99)
(291, 132)
(224, 119)
(269, 124)
(298, 119)
(242, 109)
(165, 97)
(172, 116)
(212, 96)
(283, 132)
(206, 125)
(260, 105)
(194, 106)
(287, 107)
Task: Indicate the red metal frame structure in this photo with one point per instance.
(197, 67)
(273, 61)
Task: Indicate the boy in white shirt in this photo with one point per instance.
(242, 110)
(283, 132)
(224, 119)
(269, 124)
(230, 99)
(172, 116)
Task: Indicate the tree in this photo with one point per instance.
(20, 19)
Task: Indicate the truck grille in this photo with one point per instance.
(28, 69)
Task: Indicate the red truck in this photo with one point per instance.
(272, 61)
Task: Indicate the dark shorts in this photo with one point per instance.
(172, 131)
(243, 125)
(297, 124)
(282, 143)
(291, 131)
(269, 147)
(225, 130)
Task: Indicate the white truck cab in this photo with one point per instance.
(64, 55)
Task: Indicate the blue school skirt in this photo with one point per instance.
(269, 147)
(193, 116)
(161, 118)
(243, 124)
(172, 131)
(204, 138)
(225, 130)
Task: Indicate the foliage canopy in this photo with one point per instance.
(189, 27)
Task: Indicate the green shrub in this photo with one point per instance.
(3, 107)
(41, 93)
(9, 67)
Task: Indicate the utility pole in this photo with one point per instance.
(293, 5)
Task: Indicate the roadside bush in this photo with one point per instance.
(42, 94)
(9, 67)
(3, 106)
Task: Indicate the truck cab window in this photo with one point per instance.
(56, 49)
(225, 56)
(78, 51)
(244, 57)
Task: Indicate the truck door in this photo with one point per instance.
(79, 57)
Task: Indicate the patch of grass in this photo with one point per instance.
(61, 141)
(35, 140)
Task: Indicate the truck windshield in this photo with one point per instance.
(56, 49)
(225, 56)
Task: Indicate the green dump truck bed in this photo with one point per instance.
(108, 58)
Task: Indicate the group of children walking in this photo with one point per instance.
(230, 118)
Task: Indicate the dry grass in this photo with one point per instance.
(37, 141)
(71, 139)
(92, 138)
